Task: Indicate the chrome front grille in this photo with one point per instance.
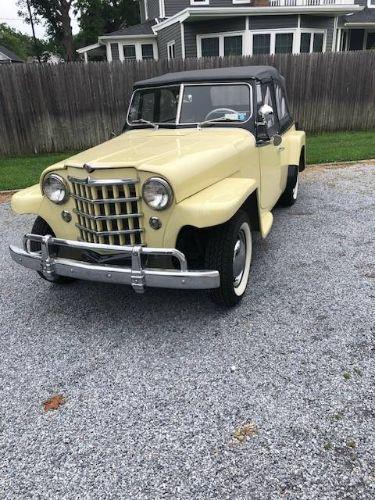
(108, 211)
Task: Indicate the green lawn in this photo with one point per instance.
(340, 146)
(17, 172)
(22, 171)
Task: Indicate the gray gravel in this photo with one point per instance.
(156, 385)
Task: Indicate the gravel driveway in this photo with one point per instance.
(167, 396)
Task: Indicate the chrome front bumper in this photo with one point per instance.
(137, 276)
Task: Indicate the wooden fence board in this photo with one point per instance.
(47, 108)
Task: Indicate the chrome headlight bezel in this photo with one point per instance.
(161, 184)
(63, 187)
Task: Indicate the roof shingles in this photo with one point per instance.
(136, 30)
(11, 55)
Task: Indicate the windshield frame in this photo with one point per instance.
(182, 86)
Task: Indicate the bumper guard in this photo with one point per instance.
(136, 276)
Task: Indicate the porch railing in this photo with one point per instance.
(308, 3)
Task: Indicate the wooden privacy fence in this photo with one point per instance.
(47, 108)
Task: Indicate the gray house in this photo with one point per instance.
(202, 28)
(8, 57)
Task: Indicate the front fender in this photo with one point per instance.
(210, 207)
(27, 201)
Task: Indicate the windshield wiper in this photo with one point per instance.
(146, 122)
(215, 120)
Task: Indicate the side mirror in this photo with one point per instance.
(265, 111)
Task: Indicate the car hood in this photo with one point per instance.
(188, 159)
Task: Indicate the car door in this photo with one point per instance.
(270, 155)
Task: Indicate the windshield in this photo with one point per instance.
(191, 104)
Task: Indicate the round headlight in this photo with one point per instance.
(55, 189)
(157, 193)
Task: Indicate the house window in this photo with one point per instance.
(371, 4)
(210, 47)
(147, 51)
(370, 42)
(283, 43)
(171, 50)
(312, 42)
(305, 42)
(129, 53)
(233, 45)
(220, 45)
(115, 52)
(273, 42)
(262, 43)
(318, 42)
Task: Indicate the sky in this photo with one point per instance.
(8, 15)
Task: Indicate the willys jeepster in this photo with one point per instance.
(172, 201)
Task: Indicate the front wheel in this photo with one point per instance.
(229, 251)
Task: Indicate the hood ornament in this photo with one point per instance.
(88, 168)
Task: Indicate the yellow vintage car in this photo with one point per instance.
(172, 201)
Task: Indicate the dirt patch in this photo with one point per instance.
(316, 167)
(5, 196)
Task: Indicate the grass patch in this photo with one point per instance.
(22, 171)
(340, 146)
(18, 172)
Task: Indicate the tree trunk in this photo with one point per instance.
(67, 35)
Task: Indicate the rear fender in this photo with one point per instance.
(296, 146)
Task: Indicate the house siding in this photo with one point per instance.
(208, 27)
(167, 35)
(320, 22)
(174, 6)
(153, 8)
(272, 22)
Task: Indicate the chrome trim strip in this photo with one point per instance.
(106, 217)
(105, 201)
(87, 181)
(109, 233)
(136, 276)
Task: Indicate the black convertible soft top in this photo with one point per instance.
(241, 73)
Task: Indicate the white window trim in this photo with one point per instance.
(237, 2)
(314, 31)
(365, 36)
(221, 37)
(247, 39)
(197, 2)
(146, 9)
(171, 44)
(296, 32)
(138, 48)
(273, 33)
(370, 5)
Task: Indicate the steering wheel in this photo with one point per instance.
(219, 110)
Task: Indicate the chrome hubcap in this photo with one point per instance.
(239, 258)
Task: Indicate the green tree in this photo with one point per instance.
(97, 17)
(19, 43)
(57, 16)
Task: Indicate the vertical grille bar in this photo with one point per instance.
(108, 212)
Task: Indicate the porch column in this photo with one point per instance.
(246, 49)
